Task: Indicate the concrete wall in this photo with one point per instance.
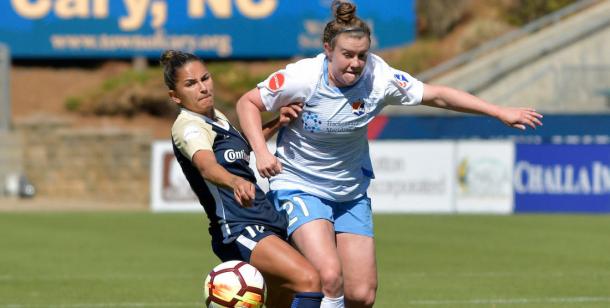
(569, 79)
(86, 164)
(560, 69)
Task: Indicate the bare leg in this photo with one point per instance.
(285, 270)
(357, 253)
(316, 241)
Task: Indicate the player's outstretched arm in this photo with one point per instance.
(457, 100)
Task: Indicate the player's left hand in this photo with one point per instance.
(243, 191)
(520, 117)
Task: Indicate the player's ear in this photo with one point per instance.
(327, 50)
(172, 97)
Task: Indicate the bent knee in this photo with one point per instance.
(363, 296)
(308, 281)
(332, 282)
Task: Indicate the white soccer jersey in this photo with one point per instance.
(325, 153)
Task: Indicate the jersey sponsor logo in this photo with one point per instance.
(232, 155)
(401, 79)
(311, 122)
(358, 107)
(276, 82)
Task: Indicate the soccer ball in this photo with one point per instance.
(234, 284)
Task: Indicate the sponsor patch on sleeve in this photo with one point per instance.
(276, 82)
(191, 132)
(401, 80)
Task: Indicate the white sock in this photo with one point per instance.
(330, 302)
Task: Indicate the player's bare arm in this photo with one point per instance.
(457, 100)
(206, 163)
(249, 106)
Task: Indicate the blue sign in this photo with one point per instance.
(557, 129)
(562, 178)
(209, 28)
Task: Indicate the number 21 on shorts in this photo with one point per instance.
(289, 207)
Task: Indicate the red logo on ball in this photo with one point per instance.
(276, 81)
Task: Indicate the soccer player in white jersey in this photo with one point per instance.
(321, 170)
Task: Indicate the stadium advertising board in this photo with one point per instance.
(169, 189)
(484, 174)
(412, 176)
(209, 28)
(562, 178)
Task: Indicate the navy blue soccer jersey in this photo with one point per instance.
(192, 132)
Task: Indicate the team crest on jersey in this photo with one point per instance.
(276, 82)
(358, 107)
(311, 122)
(401, 79)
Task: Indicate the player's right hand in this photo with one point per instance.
(244, 192)
(268, 165)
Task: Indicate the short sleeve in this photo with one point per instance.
(290, 85)
(402, 88)
(191, 136)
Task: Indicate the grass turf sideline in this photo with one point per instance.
(160, 260)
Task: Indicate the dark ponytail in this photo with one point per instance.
(173, 60)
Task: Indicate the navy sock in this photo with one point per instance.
(307, 300)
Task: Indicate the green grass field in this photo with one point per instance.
(160, 260)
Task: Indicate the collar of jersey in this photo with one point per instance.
(230, 129)
(208, 120)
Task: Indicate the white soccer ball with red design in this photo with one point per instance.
(234, 284)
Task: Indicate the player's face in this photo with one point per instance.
(194, 88)
(347, 60)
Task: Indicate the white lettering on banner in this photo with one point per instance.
(257, 10)
(67, 9)
(100, 9)
(222, 8)
(36, 10)
(219, 8)
(64, 9)
(137, 10)
(221, 44)
(562, 179)
(136, 13)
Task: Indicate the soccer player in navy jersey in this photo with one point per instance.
(321, 169)
(244, 224)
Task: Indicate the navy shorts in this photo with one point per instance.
(242, 246)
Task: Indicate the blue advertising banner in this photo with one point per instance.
(209, 28)
(562, 178)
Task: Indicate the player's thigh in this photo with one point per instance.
(358, 261)
(316, 241)
(279, 261)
